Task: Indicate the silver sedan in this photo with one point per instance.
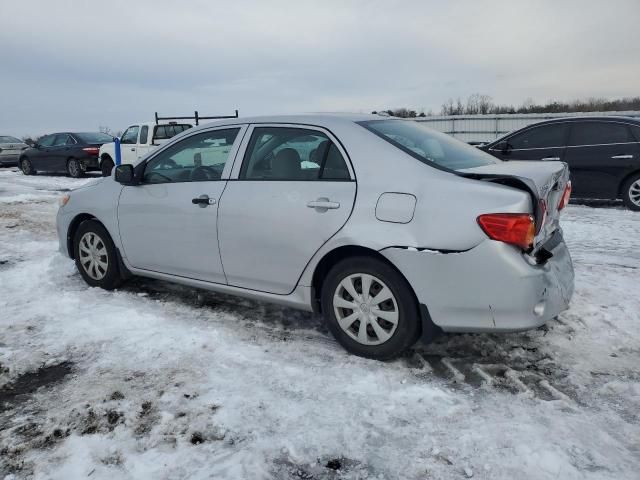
(10, 150)
(392, 231)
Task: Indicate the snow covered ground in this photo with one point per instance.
(156, 381)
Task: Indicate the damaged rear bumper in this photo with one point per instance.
(492, 287)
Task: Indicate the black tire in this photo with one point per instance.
(631, 192)
(408, 327)
(106, 166)
(111, 278)
(26, 166)
(75, 168)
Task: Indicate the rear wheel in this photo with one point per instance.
(370, 308)
(74, 168)
(26, 167)
(106, 166)
(631, 193)
(95, 256)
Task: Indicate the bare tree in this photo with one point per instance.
(105, 129)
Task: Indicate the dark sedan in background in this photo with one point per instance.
(603, 153)
(10, 150)
(73, 153)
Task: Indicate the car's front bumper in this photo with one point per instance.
(9, 160)
(492, 287)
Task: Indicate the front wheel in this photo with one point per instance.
(75, 168)
(26, 167)
(106, 166)
(95, 256)
(370, 308)
(631, 193)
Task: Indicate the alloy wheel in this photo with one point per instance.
(366, 309)
(74, 168)
(93, 256)
(634, 192)
(26, 166)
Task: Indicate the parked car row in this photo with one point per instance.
(391, 230)
(603, 153)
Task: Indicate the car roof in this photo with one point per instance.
(581, 118)
(318, 119)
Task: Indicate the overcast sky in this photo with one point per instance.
(79, 64)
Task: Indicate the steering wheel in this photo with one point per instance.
(165, 164)
(204, 173)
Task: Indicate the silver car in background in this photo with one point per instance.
(392, 231)
(10, 150)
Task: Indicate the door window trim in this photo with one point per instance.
(528, 129)
(235, 173)
(227, 166)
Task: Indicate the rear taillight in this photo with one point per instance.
(514, 228)
(566, 195)
(91, 150)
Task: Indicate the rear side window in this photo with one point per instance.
(278, 153)
(144, 133)
(599, 133)
(62, 139)
(546, 136)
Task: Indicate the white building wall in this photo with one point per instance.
(484, 128)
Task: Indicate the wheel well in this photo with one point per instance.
(333, 257)
(625, 180)
(105, 156)
(73, 228)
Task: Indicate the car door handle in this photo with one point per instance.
(622, 157)
(323, 204)
(203, 201)
(550, 159)
(133, 149)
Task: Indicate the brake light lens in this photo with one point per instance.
(513, 228)
(91, 150)
(566, 195)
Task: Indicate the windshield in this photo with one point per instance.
(429, 146)
(7, 139)
(95, 137)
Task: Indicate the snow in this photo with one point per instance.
(160, 381)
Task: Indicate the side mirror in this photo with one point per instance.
(124, 174)
(503, 146)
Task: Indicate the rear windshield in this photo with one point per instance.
(429, 146)
(6, 139)
(164, 132)
(94, 137)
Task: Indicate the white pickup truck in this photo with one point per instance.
(138, 140)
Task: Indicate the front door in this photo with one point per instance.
(600, 155)
(293, 192)
(129, 145)
(40, 155)
(168, 222)
(545, 142)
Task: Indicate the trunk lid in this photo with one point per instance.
(545, 182)
(13, 148)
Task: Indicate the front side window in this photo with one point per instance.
(130, 135)
(547, 136)
(280, 153)
(46, 141)
(599, 133)
(429, 146)
(198, 158)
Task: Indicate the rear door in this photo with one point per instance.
(545, 142)
(129, 144)
(60, 152)
(294, 190)
(600, 155)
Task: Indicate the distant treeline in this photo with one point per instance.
(483, 104)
